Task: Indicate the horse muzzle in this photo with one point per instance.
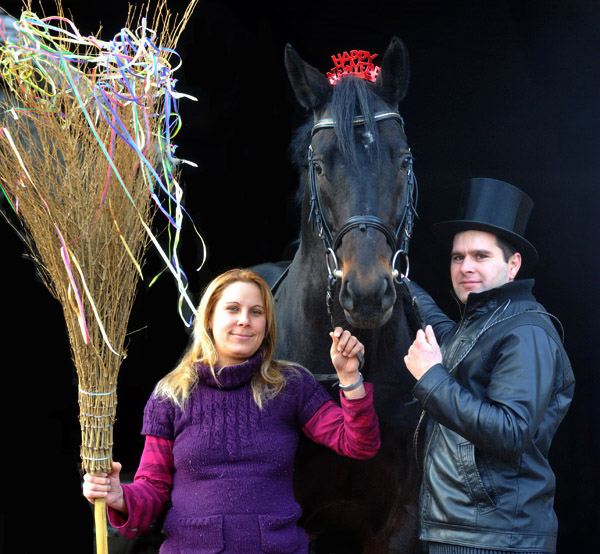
(368, 299)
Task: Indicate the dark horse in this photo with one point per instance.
(357, 209)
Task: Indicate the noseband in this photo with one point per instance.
(398, 239)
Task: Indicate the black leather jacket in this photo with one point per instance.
(493, 406)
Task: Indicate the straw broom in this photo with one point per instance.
(84, 201)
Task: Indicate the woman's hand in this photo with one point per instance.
(344, 350)
(107, 486)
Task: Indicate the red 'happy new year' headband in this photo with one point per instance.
(357, 62)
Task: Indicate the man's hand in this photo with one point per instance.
(423, 354)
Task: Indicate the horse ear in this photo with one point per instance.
(311, 87)
(394, 74)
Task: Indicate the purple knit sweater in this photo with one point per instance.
(232, 486)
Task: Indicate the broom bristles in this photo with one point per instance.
(84, 199)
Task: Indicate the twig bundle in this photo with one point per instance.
(86, 162)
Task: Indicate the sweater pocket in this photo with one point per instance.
(281, 535)
(472, 478)
(201, 535)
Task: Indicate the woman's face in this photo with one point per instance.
(238, 323)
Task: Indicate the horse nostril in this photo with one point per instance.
(389, 294)
(381, 297)
(346, 296)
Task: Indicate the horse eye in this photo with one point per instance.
(318, 168)
(405, 163)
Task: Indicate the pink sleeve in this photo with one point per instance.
(148, 495)
(351, 430)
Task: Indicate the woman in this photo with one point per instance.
(222, 430)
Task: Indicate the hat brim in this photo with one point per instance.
(444, 231)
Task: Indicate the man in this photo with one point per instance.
(495, 391)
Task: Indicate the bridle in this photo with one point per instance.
(398, 238)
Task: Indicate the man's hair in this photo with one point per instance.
(507, 248)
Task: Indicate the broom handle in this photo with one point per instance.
(101, 529)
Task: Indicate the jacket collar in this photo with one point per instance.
(491, 299)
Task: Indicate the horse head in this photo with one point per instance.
(361, 190)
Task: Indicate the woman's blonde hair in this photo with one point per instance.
(179, 383)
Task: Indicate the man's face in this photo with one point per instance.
(477, 264)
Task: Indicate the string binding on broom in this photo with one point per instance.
(96, 459)
(97, 393)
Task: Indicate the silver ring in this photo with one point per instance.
(395, 272)
(335, 272)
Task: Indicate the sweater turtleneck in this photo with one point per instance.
(230, 377)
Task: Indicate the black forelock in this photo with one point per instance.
(351, 97)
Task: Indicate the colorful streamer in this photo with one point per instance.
(50, 56)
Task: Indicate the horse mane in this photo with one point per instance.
(351, 97)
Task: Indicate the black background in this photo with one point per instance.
(504, 89)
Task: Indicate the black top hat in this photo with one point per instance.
(496, 207)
